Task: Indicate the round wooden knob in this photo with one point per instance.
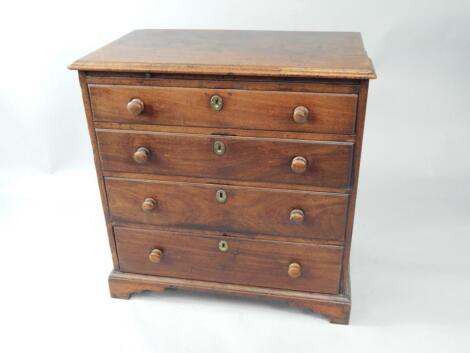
(300, 114)
(135, 106)
(155, 255)
(149, 204)
(294, 270)
(299, 165)
(297, 216)
(142, 155)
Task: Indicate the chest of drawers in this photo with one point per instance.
(228, 161)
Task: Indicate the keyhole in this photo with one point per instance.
(219, 148)
(223, 246)
(221, 196)
(216, 103)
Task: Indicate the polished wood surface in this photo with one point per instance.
(333, 306)
(246, 159)
(258, 53)
(99, 172)
(227, 132)
(245, 210)
(251, 83)
(355, 180)
(260, 110)
(219, 181)
(228, 161)
(259, 263)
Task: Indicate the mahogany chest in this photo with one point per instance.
(228, 161)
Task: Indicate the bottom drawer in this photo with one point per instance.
(273, 264)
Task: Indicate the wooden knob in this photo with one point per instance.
(294, 270)
(135, 106)
(300, 114)
(141, 155)
(297, 216)
(149, 204)
(155, 255)
(299, 165)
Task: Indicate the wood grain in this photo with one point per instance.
(99, 171)
(249, 262)
(281, 226)
(221, 181)
(252, 83)
(355, 182)
(216, 52)
(242, 109)
(336, 307)
(227, 132)
(246, 210)
(246, 159)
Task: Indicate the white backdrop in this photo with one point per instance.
(410, 263)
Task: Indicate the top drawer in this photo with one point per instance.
(225, 108)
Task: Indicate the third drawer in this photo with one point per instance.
(223, 208)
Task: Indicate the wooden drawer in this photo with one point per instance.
(242, 261)
(243, 109)
(328, 164)
(229, 208)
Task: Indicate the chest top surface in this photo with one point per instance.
(220, 52)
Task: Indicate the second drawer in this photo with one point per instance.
(223, 208)
(304, 162)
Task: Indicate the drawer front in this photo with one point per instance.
(243, 109)
(228, 208)
(228, 260)
(326, 164)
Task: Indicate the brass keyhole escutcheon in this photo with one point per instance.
(219, 148)
(216, 103)
(223, 246)
(221, 196)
